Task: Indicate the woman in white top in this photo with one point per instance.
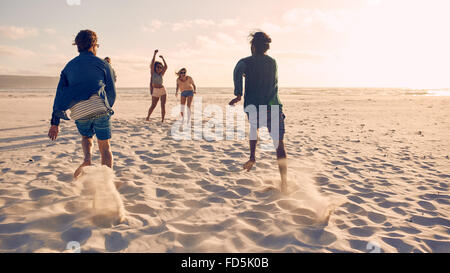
(187, 88)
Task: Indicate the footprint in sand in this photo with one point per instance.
(161, 193)
(213, 188)
(38, 193)
(242, 191)
(228, 194)
(196, 167)
(142, 209)
(322, 180)
(14, 242)
(247, 182)
(80, 235)
(12, 228)
(65, 177)
(216, 200)
(115, 242)
(217, 172)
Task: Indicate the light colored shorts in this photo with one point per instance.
(159, 92)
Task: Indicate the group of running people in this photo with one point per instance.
(87, 89)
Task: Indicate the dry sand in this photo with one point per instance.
(379, 163)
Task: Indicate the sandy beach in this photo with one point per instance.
(368, 171)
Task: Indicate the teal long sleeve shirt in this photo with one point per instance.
(261, 80)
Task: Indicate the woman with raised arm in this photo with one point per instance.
(187, 88)
(157, 90)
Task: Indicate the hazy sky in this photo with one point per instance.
(388, 43)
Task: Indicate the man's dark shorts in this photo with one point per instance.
(99, 125)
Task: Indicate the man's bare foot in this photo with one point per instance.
(249, 165)
(80, 169)
(147, 119)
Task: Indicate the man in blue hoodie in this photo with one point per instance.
(86, 88)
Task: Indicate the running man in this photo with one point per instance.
(261, 93)
(86, 87)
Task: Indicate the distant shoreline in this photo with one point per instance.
(42, 82)
(17, 81)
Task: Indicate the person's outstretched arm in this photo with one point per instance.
(152, 65)
(165, 65)
(193, 84)
(238, 74)
(54, 129)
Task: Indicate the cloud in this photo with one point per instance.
(300, 55)
(275, 28)
(50, 31)
(49, 47)
(299, 18)
(209, 46)
(12, 51)
(153, 26)
(188, 24)
(16, 33)
(229, 22)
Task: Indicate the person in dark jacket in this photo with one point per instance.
(261, 100)
(86, 88)
(108, 60)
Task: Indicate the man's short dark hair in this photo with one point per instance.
(85, 40)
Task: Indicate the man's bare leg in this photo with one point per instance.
(249, 165)
(105, 152)
(86, 143)
(282, 165)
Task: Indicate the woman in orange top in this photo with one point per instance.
(187, 88)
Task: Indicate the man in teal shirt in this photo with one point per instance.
(261, 100)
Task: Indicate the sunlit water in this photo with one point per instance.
(341, 91)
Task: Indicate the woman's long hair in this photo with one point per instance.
(179, 72)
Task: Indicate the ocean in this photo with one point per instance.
(306, 91)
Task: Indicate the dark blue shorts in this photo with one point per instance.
(100, 126)
(187, 94)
